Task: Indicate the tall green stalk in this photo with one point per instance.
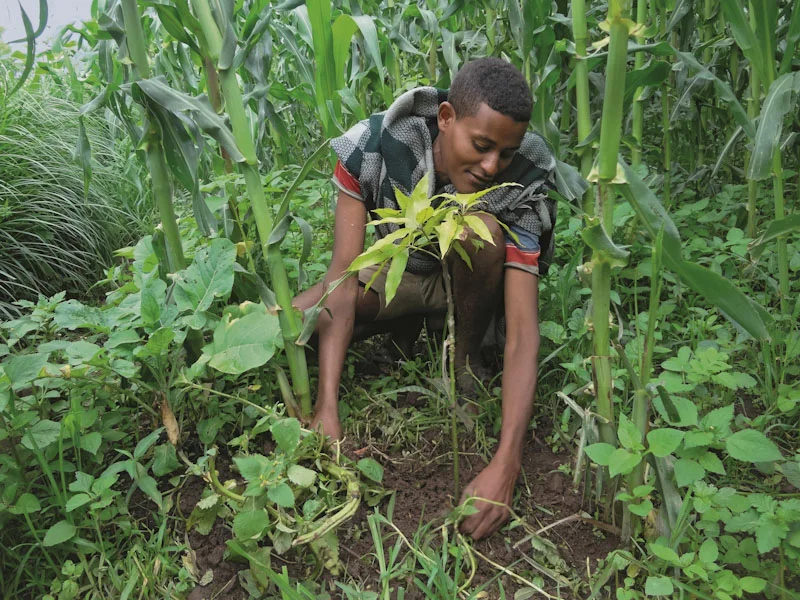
(666, 142)
(610, 134)
(154, 150)
(637, 119)
(581, 36)
(234, 104)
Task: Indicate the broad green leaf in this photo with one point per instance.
(750, 445)
(752, 585)
(286, 434)
(22, 370)
(26, 504)
(243, 344)
(711, 463)
(479, 227)
(658, 586)
(395, 274)
(59, 533)
(623, 462)
(41, 435)
(343, 29)
(77, 501)
(90, 442)
(651, 75)
(250, 524)
(302, 476)
(664, 553)
(251, 467)
(687, 471)
(371, 468)
(685, 410)
(146, 443)
(281, 495)
(642, 509)
(663, 442)
(709, 552)
(165, 461)
(629, 436)
(600, 453)
(446, 233)
(780, 100)
(158, 343)
(209, 276)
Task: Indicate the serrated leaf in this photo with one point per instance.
(750, 445)
(302, 476)
(250, 524)
(687, 471)
(752, 585)
(251, 467)
(281, 495)
(663, 442)
(711, 463)
(286, 434)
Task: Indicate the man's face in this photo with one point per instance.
(471, 151)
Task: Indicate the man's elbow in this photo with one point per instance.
(523, 344)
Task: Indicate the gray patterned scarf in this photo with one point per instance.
(394, 149)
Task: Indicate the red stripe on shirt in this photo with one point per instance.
(344, 177)
(515, 255)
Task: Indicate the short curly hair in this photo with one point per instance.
(494, 81)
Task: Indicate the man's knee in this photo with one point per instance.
(489, 254)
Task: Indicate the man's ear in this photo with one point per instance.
(446, 117)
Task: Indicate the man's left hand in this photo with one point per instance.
(495, 483)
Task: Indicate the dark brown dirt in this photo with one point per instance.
(423, 489)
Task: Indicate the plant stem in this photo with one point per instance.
(580, 35)
(288, 317)
(449, 355)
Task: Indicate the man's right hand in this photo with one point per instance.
(327, 424)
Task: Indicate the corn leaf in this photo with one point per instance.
(745, 37)
(775, 230)
(781, 96)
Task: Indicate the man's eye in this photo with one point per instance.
(480, 148)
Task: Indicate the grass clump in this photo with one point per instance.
(53, 236)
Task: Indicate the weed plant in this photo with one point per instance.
(55, 234)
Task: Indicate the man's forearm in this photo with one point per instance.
(335, 332)
(519, 385)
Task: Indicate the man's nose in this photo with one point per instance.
(490, 164)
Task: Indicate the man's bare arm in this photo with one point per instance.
(496, 482)
(336, 330)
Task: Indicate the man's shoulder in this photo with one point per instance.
(536, 150)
